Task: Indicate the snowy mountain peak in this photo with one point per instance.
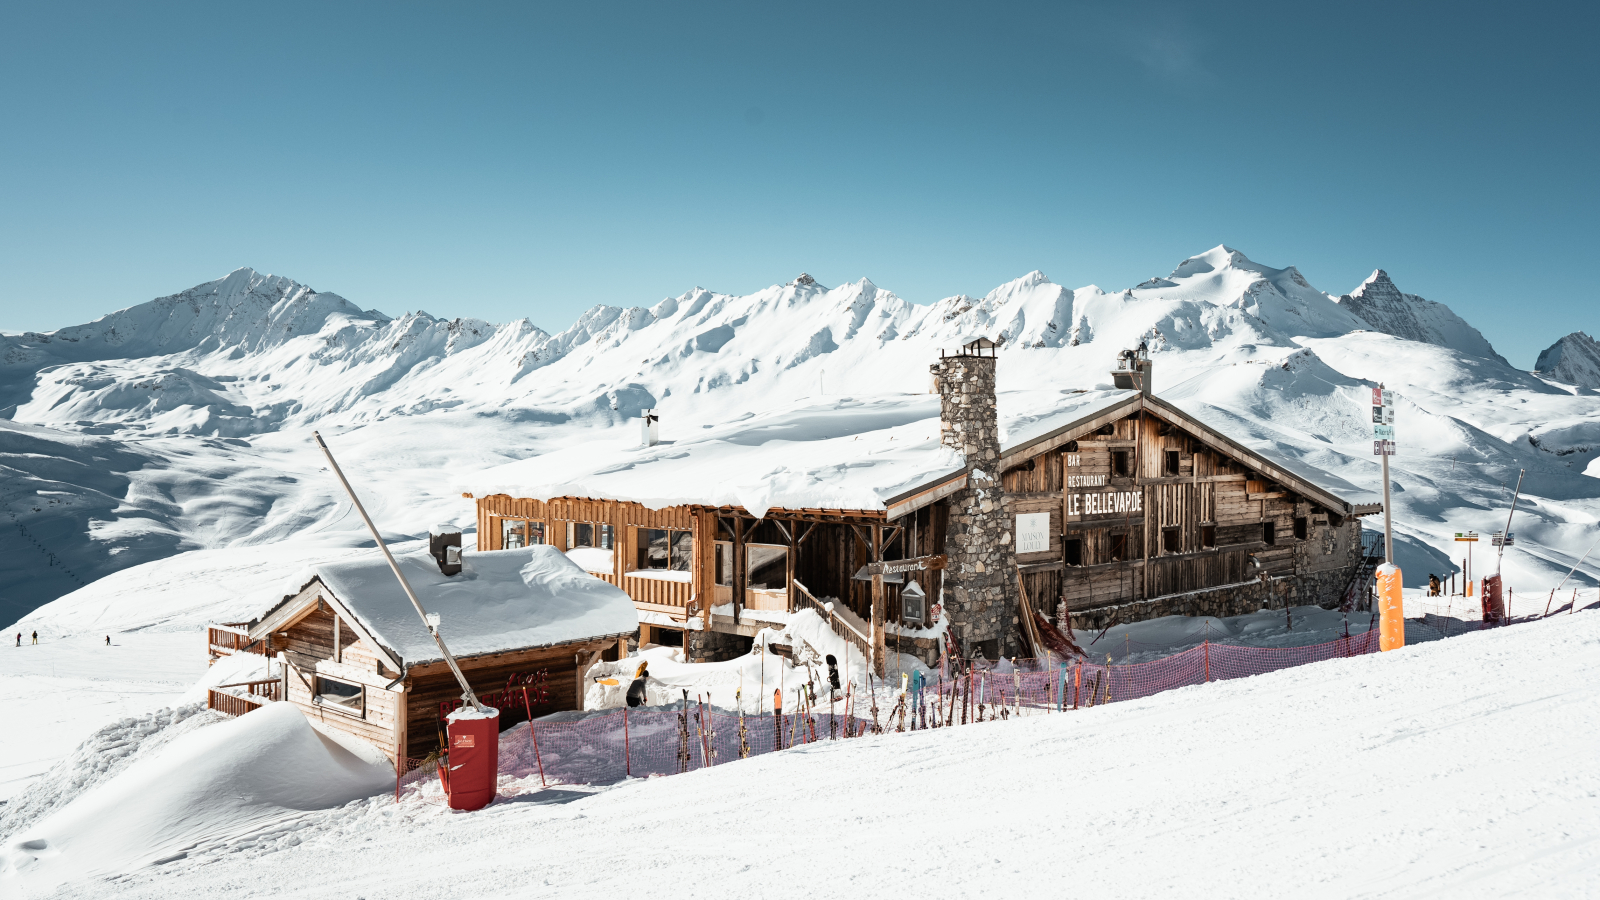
(1378, 302)
(1575, 359)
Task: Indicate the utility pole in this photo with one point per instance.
(1391, 606)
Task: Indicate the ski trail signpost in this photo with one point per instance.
(1391, 609)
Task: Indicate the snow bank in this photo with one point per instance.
(202, 789)
(501, 600)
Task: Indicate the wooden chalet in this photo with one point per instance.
(357, 659)
(1112, 506)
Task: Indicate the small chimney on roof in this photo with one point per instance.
(651, 428)
(1133, 370)
(444, 542)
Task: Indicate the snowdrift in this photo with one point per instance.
(218, 783)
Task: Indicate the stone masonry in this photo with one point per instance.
(980, 585)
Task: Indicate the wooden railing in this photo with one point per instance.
(839, 619)
(256, 695)
(226, 640)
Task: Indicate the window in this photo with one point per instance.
(584, 534)
(1300, 529)
(340, 695)
(1171, 540)
(1208, 536)
(1171, 458)
(724, 564)
(515, 533)
(1119, 463)
(1119, 546)
(768, 567)
(660, 548)
(1074, 552)
(1269, 533)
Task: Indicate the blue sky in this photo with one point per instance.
(514, 160)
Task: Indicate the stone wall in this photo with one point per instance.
(714, 646)
(1325, 589)
(980, 585)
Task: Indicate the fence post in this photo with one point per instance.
(627, 757)
(536, 758)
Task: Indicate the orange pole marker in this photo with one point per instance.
(1391, 609)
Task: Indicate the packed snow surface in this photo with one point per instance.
(255, 773)
(1437, 770)
(500, 600)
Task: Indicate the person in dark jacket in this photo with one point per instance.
(636, 695)
(1433, 585)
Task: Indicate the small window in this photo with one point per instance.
(1300, 530)
(660, 548)
(1171, 540)
(1269, 533)
(768, 567)
(1208, 536)
(340, 695)
(724, 564)
(585, 534)
(1119, 463)
(1119, 546)
(515, 533)
(1074, 552)
(1171, 457)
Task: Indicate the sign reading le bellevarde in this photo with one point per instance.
(1033, 532)
(1104, 503)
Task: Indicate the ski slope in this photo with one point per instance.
(1459, 768)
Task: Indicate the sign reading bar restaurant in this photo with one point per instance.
(1105, 503)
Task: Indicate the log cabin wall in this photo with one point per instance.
(652, 594)
(430, 686)
(1140, 509)
(309, 646)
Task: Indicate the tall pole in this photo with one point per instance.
(1388, 522)
(1500, 554)
(467, 692)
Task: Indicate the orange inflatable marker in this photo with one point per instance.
(1391, 609)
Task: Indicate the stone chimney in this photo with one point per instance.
(980, 584)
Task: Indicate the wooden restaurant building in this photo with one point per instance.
(1095, 507)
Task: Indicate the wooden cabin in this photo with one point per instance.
(357, 659)
(1113, 506)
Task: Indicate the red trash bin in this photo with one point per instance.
(474, 761)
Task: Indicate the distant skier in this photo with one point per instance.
(636, 695)
(108, 640)
(1433, 585)
(36, 637)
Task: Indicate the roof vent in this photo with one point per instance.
(444, 542)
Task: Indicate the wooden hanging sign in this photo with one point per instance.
(915, 564)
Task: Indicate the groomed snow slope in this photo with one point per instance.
(1461, 768)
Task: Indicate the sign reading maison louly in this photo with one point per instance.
(1105, 503)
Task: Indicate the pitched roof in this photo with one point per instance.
(502, 600)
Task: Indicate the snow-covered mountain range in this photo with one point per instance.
(183, 423)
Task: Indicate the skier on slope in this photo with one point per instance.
(636, 695)
(36, 637)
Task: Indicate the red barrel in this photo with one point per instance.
(474, 761)
(1494, 606)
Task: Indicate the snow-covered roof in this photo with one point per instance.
(502, 600)
(845, 453)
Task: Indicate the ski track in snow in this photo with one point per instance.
(1435, 771)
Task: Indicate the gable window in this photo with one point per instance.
(515, 533)
(1171, 459)
(1119, 463)
(661, 548)
(1171, 540)
(1300, 528)
(1074, 549)
(341, 695)
(1208, 536)
(1269, 533)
